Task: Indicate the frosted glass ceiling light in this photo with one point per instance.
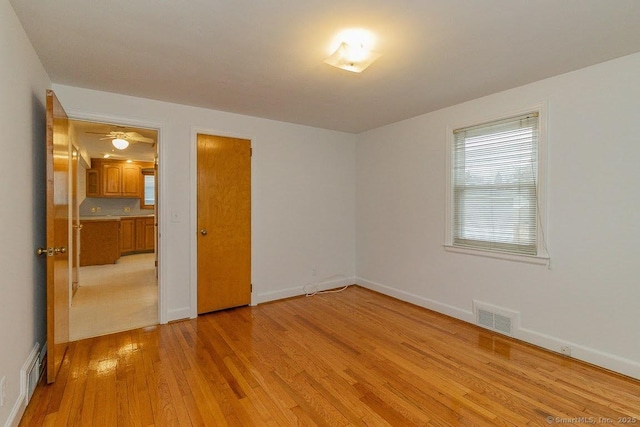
(120, 143)
(352, 57)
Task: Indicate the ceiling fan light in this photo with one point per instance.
(120, 143)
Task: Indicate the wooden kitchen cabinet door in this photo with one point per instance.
(127, 235)
(150, 234)
(140, 233)
(111, 180)
(131, 180)
(93, 182)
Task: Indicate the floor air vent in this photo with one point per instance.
(496, 318)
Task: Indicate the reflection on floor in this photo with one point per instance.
(115, 297)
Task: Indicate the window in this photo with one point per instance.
(494, 189)
(149, 196)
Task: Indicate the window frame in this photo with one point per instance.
(542, 256)
(148, 172)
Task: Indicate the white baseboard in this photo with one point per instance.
(590, 355)
(299, 290)
(586, 354)
(20, 404)
(449, 310)
(16, 412)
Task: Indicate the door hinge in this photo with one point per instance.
(250, 151)
(251, 287)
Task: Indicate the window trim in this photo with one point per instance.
(147, 172)
(542, 256)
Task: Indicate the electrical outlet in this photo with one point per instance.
(566, 350)
(127, 209)
(98, 209)
(93, 210)
(3, 390)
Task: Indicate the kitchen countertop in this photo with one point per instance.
(112, 217)
(100, 218)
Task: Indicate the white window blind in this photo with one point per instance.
(149, 190)
(495, 171)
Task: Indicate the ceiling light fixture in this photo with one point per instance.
(353, 52)
(120, 143)
(352, 58)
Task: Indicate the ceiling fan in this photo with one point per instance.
(120, 139)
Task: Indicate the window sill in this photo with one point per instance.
(528, 259)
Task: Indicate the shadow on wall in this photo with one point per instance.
(38, 239)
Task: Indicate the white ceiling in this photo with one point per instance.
(92, 137)
(265, 58)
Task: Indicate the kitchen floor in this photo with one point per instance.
(115, 297)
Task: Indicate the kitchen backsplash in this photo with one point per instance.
(93, 206)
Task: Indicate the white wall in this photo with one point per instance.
(303, 201)
(23, 85)
(590, 298)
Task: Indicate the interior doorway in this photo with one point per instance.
(117, 199)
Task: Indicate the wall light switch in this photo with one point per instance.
(175, 216)
(93, 210)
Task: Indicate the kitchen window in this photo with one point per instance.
(149, 189)
(495, 192)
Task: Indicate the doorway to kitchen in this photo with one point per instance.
(115, 287)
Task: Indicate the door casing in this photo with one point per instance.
(163, 315)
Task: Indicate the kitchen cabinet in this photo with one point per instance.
(121, 179)
(150, 234)
(145, 234)
(127, 235)
(137, 234)
(93, 183)
(99, 241)
(114, 178)
(111, 179)
(131, 180)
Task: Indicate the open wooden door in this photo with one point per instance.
(224, 222)
(58, 175)
(75, 220)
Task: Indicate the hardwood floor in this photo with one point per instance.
(355, 358)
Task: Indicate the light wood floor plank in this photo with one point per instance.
(355, 358)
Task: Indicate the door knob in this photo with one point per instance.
(51, 251)
(203, 231)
